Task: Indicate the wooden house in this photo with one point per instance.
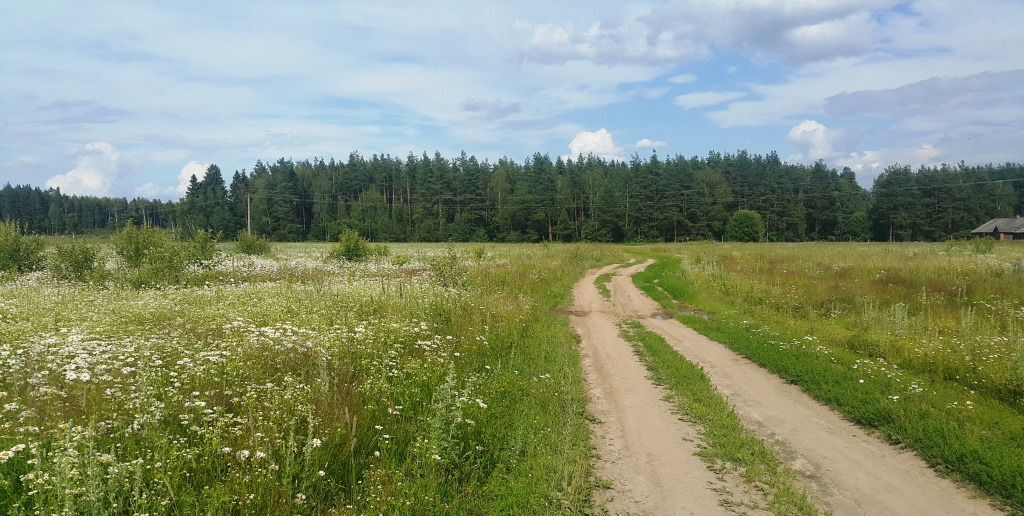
(1002, 229)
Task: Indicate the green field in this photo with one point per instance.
(435, 380)
(924, 342)
(443, 379)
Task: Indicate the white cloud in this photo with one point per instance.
(685, 78)
(707, 98)
(647, 143)
(94, 173)
(599, 143)
(153, 190)
(869, 164)
(813, 139)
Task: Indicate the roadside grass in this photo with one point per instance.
(964, 432)
(601, 282)
(727, 444)
(293, 385)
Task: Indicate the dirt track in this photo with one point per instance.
(648, 454)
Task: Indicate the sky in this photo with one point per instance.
(130, 99)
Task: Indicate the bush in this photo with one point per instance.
(252, 245)
(380, 250)
(745, 226)
(134, 243)
(164, 265)
(201, 248)
(152, 258)
(350, 247)
(447, 269)
(75, 260)
(18, 252)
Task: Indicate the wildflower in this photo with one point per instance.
(6, 455)
(481, 403)
(376, 453)
(321, 473)
(316, 442)
(300, 499)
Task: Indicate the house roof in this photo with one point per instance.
(1008, 225)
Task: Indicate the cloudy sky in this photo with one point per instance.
(130, 98)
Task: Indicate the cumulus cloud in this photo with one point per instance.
(153, 190)
(707, 98)
(599, 143)
(869, 164)
(813, 140)
(647, 143)
(94, 173)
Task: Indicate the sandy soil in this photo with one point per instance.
(644, 450)
(648, 457)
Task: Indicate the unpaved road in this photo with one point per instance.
(646, 454)
(645, 451)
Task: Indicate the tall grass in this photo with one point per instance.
(923, 342)
(299, 385)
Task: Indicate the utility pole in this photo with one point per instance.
(248, 214)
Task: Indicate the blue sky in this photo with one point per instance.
(109, 98)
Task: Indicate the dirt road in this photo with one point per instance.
(645, 451)
(648, 457)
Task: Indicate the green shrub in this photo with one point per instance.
(164, 265)
(447, 269)
(252, 245)
(19, 252)
(152, 258)
(400, 260)
(75, 260)
(350, 247)
(201, 248)
(380, 250)
(133, 243)
(745, 226)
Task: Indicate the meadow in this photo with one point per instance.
(433, 379)
(923, 342)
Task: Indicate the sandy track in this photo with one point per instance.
(644, 449)
(847, 470)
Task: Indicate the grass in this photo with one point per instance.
(294, 384)
(727, 443)
(601, 282)
(917, 341)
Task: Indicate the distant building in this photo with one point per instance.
(1002, 229)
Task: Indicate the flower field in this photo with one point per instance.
(433, 380)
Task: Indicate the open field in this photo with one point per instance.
(439, 378)
(923, 342)
(433, 380)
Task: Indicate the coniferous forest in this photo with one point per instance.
(434, 198)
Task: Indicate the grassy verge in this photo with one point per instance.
(961, 433)
(728, 444)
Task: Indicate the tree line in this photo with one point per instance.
(434, 198)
